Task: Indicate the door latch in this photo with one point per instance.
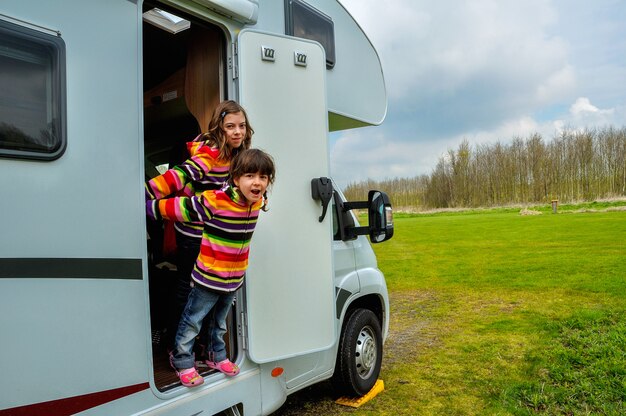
(322, 190)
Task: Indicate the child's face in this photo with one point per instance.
(234, 129)
(252, 186)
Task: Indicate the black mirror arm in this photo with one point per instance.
(347, 206)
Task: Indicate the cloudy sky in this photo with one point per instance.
(485, 71)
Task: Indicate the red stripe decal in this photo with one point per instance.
(72, 405)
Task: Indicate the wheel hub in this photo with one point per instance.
(365, 353)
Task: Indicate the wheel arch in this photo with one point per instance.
(373, 302)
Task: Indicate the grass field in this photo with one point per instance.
(495, 313)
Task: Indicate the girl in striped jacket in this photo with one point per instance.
(229, 216)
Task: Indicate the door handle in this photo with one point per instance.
(322, 190)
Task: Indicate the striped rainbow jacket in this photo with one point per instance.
(228, 226)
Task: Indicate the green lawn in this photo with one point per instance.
(498, 313)
(495, 313)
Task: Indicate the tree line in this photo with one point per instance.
(574, 166)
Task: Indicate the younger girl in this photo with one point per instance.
(229, 217)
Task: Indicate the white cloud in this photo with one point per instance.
(583, 114)
(583, 105)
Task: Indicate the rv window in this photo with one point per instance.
(32, 93)
(303, 21)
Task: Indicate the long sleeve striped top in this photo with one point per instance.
(228, 226)
(204, 170)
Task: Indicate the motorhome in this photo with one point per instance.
(95, 98)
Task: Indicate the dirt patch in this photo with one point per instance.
(410, 326)
(527, 211)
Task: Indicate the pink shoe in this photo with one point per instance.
(189, 377)
(226, 367)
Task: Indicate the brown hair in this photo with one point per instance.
(216, 137)
(252, 161)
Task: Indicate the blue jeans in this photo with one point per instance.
(202, 302)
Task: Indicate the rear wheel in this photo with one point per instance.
(360, 354)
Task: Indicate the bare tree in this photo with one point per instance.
(575, 165)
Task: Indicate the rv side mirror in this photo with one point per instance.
(380, 216)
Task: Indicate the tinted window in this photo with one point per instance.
(305, 22)
(32, 93)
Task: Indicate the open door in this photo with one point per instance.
(182, 80)
(290, 307)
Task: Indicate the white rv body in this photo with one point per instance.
(75, 286)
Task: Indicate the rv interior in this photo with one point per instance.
(183, 67)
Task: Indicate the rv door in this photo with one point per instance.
(289, 284)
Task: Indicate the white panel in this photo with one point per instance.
(77, 336)
(89, 202)
(74, 336)
(290, 279)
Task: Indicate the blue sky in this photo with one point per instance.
(483, 71)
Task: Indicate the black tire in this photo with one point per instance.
(360, 354)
